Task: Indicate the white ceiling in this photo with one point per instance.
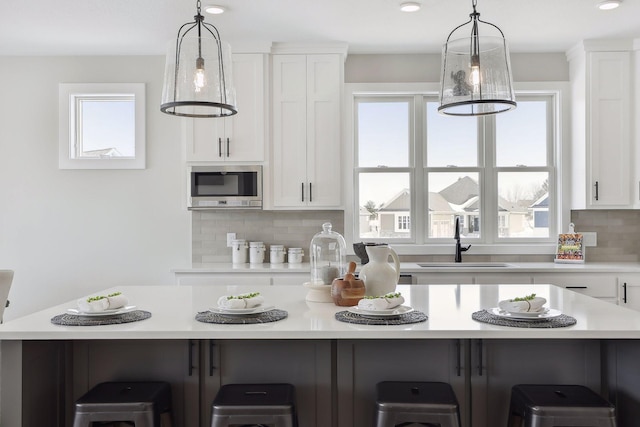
(140, 27)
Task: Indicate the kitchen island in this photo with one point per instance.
(333, 364)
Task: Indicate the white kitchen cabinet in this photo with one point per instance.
(241, 137)
(604, 171)
(306, 169)
(443, 278)
(629, 291)
(502, 278)
(598, 285)
(265, 278)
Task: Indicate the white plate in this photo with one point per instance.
(526, 314)
(396, 311)
(112, 312)
(547, 314)
(241, 311)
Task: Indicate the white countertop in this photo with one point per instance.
(449, 308)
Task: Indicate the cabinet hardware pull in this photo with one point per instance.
(458, 361)
(228, 147)
(211, 366)
(480, 357)
(219, 147)
(302, 187)
(192, 344)
(596, 190)
(624, 292)
(310, 193)
(575, 287)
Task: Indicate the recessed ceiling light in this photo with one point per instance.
(609, 4)
(214, 9)
(410, 7)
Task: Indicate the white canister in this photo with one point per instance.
(256, 252)
(239, 251)
(276, 255)
(295, 255)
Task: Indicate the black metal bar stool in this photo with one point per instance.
(255, 404)
(403, 402)
(146, 404)
(542, 405)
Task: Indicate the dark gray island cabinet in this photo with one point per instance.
(333, 365)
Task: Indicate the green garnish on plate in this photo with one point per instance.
(389, 295)
(527, 298)
(244, 296)
(99, 297)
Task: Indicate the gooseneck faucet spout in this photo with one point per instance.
(459, 247)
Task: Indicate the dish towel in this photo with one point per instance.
(529, 304)
(384, 302)
(250, 300)
(101, 303)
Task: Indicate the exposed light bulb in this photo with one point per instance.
(199, 79)
(475, 75)
(474, 78)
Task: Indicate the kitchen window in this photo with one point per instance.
(416, 171)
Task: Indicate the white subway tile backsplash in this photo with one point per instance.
(289, 228)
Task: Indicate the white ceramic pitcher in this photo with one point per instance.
(378, 275)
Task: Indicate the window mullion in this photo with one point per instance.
(489, 180)
(418, 141)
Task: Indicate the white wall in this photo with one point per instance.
(406, 68)
(68, 233)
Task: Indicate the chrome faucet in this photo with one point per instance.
(459, 248)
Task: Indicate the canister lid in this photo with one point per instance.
(277, 247)
(295, 250)
(256, 244)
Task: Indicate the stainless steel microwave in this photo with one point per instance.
(224, 187)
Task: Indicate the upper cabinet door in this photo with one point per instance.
(609, 130)
(239, 138)
(306, 169)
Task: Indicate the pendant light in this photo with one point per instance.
(197, 78)
(476, 72)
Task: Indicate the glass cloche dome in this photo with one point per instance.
(328, 256)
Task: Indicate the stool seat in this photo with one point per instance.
(269, 404)
(146, 404)
(399, 402)
(547, 405)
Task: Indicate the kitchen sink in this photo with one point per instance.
(465, 264)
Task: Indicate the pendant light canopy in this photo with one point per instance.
(476, 72)
(197, 78)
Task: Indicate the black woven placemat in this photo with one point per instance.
(401, 319)
(75, 320)
(561, 321)
(264, 317)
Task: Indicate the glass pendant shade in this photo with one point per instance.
(476, 72)
(197, 79)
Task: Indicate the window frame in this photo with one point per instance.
(70, 96)
(558, 91)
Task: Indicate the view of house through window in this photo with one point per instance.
(417, 171)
